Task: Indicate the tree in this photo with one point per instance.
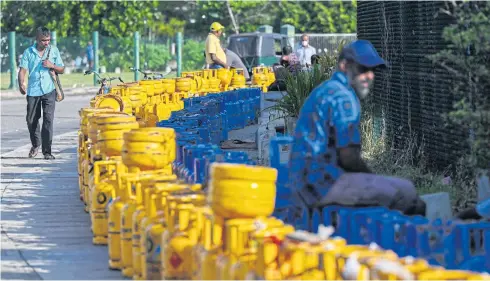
(467, 57)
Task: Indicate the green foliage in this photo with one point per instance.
(317, 16)
(117, 19)
(156, 56)
(121, 18)
(299, 86)
(467, 58)
(192, 55)
(116, 22)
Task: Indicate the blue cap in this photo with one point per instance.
(363, 53)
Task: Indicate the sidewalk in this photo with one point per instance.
(45, 231)
(15, 94)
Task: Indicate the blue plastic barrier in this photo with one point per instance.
(206, 121)
(452, 244)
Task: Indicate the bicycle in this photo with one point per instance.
(146, 75)
(104, 89)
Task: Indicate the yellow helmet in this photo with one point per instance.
(216, 26)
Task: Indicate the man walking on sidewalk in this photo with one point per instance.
(40, 59)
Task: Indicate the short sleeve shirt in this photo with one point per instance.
(304, 54)
(213, 46)
(40, 81)
(328, 120)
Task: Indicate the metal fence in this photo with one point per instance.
(411, 95)
(156, 53)
(326, 42)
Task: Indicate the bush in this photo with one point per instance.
(299, 85)
(193, 55)
(156, 56)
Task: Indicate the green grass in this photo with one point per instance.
(409, 163)
(74, 80)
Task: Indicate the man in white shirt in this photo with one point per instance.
(305, 51)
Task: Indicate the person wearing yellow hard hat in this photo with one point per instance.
(215, 55)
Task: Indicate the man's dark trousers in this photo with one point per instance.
(47, 103)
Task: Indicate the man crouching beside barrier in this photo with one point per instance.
(326, 164)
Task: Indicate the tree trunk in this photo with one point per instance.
(232, 16)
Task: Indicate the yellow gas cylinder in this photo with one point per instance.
(94, 153)
(149, 149)
(479, 276)
(155, 194)
(138, 98)
(116, 206)
(102, 193)
(207, 256)
(198, 76)
(155, 225)
(299, 256)
(116, 230)
(236, 247)
(214, 82)
(359, 255)
(247, 257)
(163, 108)
(154, 98)
(366, 261)
(81, 158)
(110, 133)
(204, 239)
(83, 155)
(238, 80)
(224, 75)
(182, 88)
(133, 189)
(148, 86)
(402, 269)
(114, 102)
(192, 81)
(181, 234)
(444, 274)
(334, 258)
(159, 89)
(260, 78)
(205, 82)
(138, 215)
(93, 101)
(268, 244)
(253, 193)
(271, 77)
(85, 112)
(183, 84)
(169, 86)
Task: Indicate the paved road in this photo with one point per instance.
(14, 129)
(45, 232)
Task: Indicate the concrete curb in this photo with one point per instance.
(15, 94)
(268, 120)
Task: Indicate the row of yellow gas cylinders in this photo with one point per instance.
(158, 227)
(263, 77)
(154, 100)
(213, 80)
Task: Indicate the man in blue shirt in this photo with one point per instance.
(326, 167)
(90, 54)
(39, 60)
